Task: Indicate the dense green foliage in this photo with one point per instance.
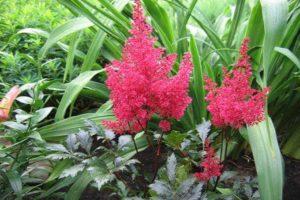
(54, 146)
(19, 51)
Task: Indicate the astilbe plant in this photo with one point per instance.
(235, 103)
(140, 83)
(211, 164)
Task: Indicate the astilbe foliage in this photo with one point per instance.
(235, 103)
(140, 84)
(211, 164)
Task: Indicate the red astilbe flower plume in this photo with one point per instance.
(235, 103)
(164, 125)
(211, 165)
(140, 84)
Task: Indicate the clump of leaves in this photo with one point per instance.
(21, 164)
(79, 150)
(171, 189)
(246, 187)
(237, 186)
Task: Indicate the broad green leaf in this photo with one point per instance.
(199, 104)
(162, 21)
(171, 167)
(96, 90)
(100, 36)
(93, 51)
(37, 136)
(290, 55)
(174, 139)
(71, 55)
(92, 89)
(182, 30)
(15, 125)
(235, 21)
(105, 107)
(56, 187)
(275, 13)
(60, 32)
(58, 169)
(116, 9)
(85, 178)
(72, 171)
(45, 34)
(79, 186)
(256, 28)
(15, 182)
(72, 91)
(25, 100)
(162, 189)
(62, 128)
(268, 159)
(212, 35)
(76, 6)
(41, 114)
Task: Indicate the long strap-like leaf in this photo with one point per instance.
(58, 33)
(72, 91)
(268, 159)
(275, 15)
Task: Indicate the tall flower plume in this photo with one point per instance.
(7, 101)
(235, 103)
(211, 165)
(140, 83)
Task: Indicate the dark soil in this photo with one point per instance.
(292, 179)
(292, 176)
(94, 194)
(150, 162)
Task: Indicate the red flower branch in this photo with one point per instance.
(140, 83)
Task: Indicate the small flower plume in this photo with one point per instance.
(164, 125)
(140, 84)
(235, 103)
(211, 165)
(7, 101)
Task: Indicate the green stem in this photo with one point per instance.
(157, 156)
(221, 155)
(142, 167)
(17, 157)
(146, 133)
(135, 146)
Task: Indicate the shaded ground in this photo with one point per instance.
(94, 194)
(291, 189)
(150, 162)
(292, 179)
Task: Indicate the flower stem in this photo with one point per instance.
(221, 154)
(135, 146)
(157, 154)
(142, 168)
(146, 133)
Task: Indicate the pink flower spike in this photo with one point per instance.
(235, 103)
(140, 82)
(165, 125)
(211, 165)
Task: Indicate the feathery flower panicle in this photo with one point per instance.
(164, 125)
(235, 103)
(211, 165)
(7, 101)
(140, 84)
